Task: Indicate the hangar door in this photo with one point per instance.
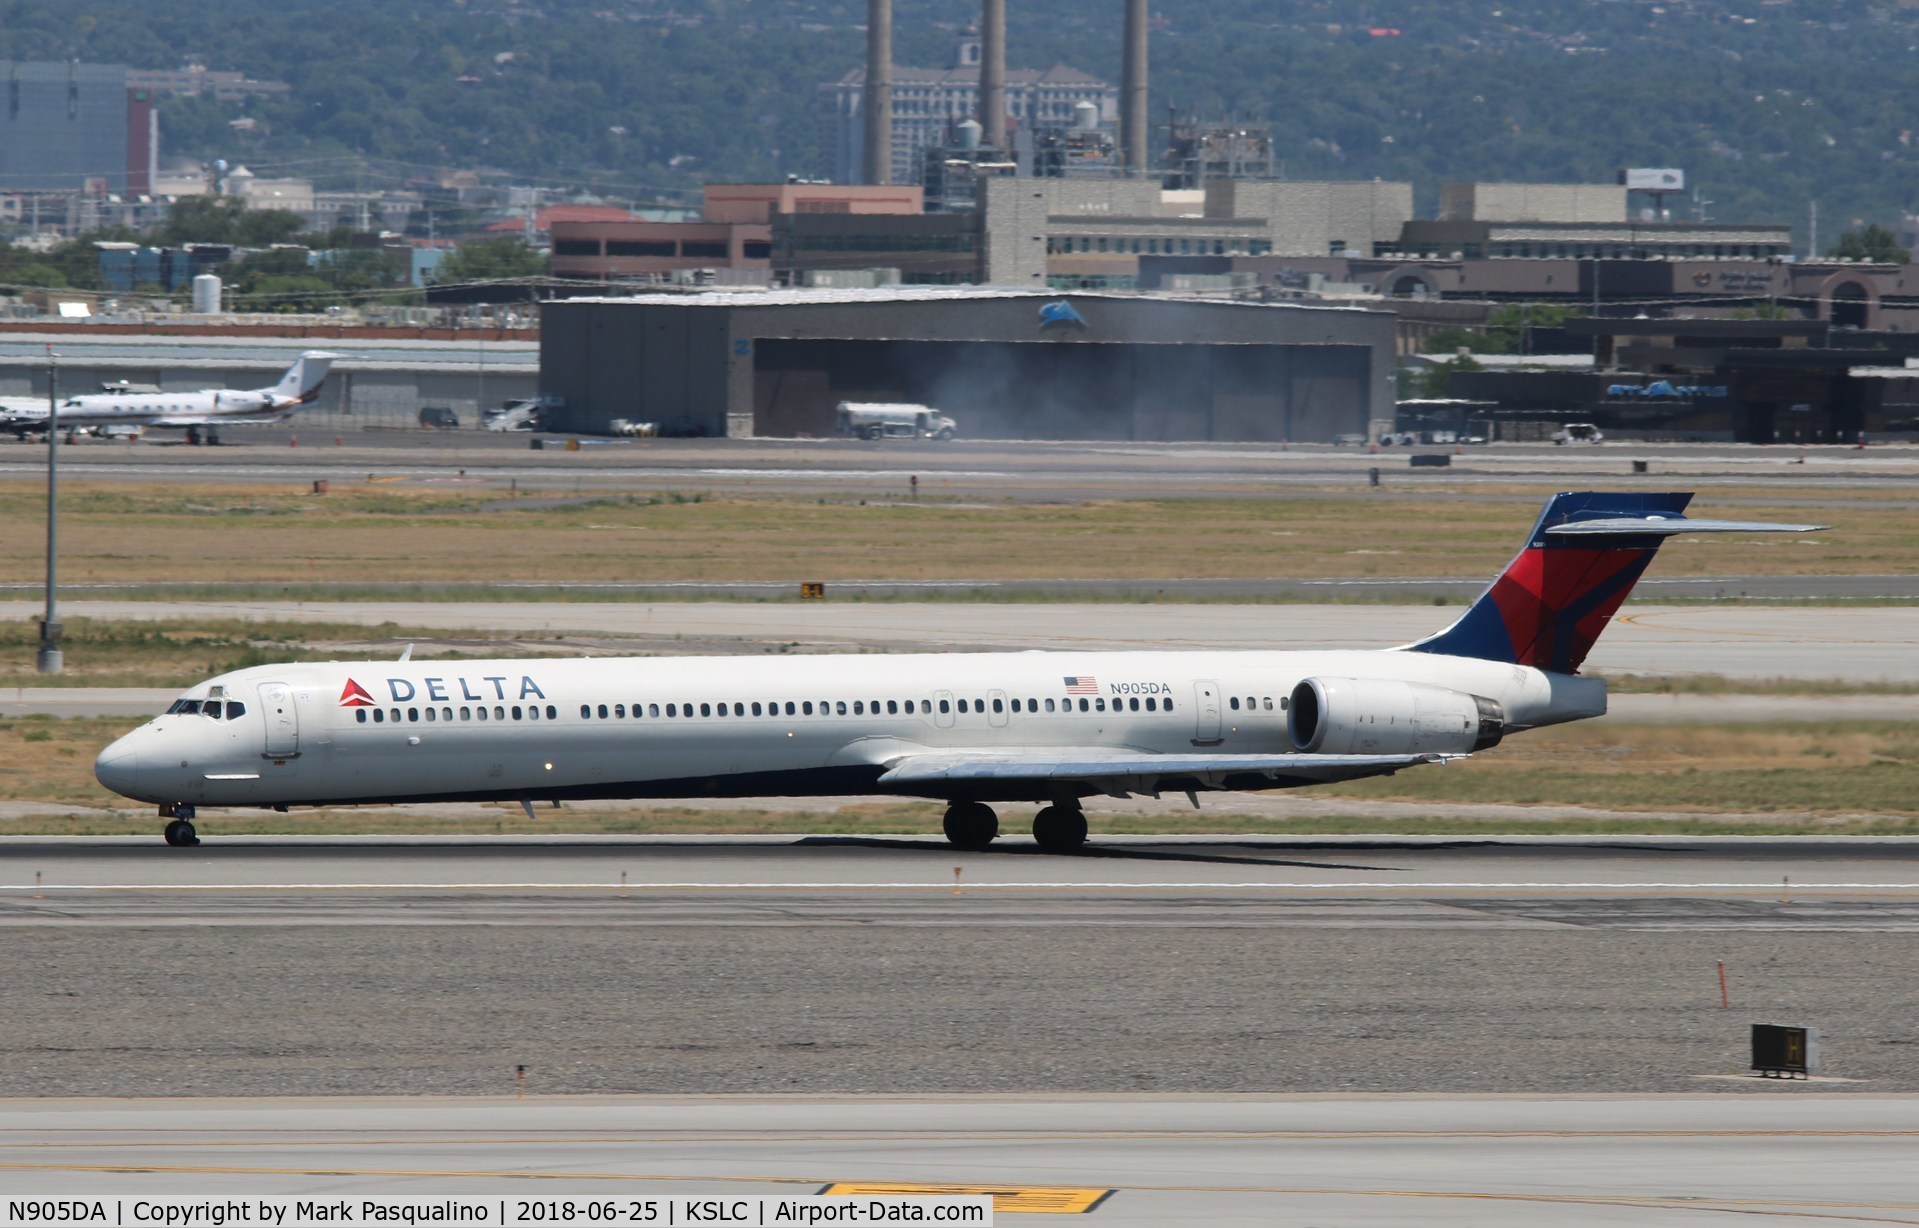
(1071, 390)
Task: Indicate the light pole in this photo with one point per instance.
(49, 657)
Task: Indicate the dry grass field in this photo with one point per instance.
(382, 533)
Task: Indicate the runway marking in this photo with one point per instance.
(945, 888)
(1030, 1199)
(916, 1136)
(1750, 1206)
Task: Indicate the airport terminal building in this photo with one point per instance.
(1005, 363)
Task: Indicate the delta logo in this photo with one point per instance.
(355, 696)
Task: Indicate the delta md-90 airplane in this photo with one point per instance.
(1050, 728)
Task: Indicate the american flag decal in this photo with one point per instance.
(1082, 684)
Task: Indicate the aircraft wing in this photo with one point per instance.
(1121, 772)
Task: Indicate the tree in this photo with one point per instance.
(1874, 243)
(499, 259)
(226, 219)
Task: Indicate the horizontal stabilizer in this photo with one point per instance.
(1667, 526)
(1141, 770)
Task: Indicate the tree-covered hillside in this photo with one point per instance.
(1767, 104)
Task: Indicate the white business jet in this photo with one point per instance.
(207, 410)
(1050, 728)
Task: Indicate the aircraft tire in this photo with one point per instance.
(971, 825)
(1057, 829)
(180, 834)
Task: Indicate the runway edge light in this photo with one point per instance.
(1781, 1051)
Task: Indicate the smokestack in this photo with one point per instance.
(1132, 89)
(878, 103)
(992, 73)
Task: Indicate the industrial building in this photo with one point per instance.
(927, 102)
(71, 127)
(1006, 363)
(1745, 381)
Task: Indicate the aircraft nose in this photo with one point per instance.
(117, 766)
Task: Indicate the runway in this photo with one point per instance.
(432, 967)
(1793, 1156)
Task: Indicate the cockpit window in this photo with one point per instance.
(235, 709)
(212, 709)
(184, 707)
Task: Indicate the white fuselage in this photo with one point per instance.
(384, 731)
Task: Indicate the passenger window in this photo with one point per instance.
(235, 710)
(840, 707)
(1151, 704)
(446, 714)
(1165, 705)
(892, 707)
(479, 714)
(1252, 705)
(1133, 704)
(361, 714)
(602, 711)
(1233, 703)
(789, 707)
(586, 712)
(672, 710)
(552, 713)
(431, 715)
(720, 710)
(516, 712)
(532, 712)
(395, 714)
(1032, 705)
(466, 714)
(806, 707)
(1269, 703)
(499, 713)
(859, 708)
(756, 707)
(706, 709)
(998, 707)
(1049, 705)
(739, 709)
(874, 707)
(379, 716)
(619, 710)
(1084, 706)
(926, 707)
(943, 705)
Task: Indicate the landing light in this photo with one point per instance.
(549, 767)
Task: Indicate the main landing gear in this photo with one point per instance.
(1059, 828)
(179, 831)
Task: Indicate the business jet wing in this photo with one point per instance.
(1122, 772)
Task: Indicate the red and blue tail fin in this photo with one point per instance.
(1586, 552)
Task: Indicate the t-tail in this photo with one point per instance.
(1583, 557)
(301, 384)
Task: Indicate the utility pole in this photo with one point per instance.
(49, 657)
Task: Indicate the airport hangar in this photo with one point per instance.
(1005, 363)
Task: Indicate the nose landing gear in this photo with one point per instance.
(179, 832)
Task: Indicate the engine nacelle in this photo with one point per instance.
(1373, 716)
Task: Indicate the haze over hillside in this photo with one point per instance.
(1767, 104)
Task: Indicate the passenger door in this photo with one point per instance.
(283, 726)
(1206, 702)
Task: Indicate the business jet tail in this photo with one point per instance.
(301, 384)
